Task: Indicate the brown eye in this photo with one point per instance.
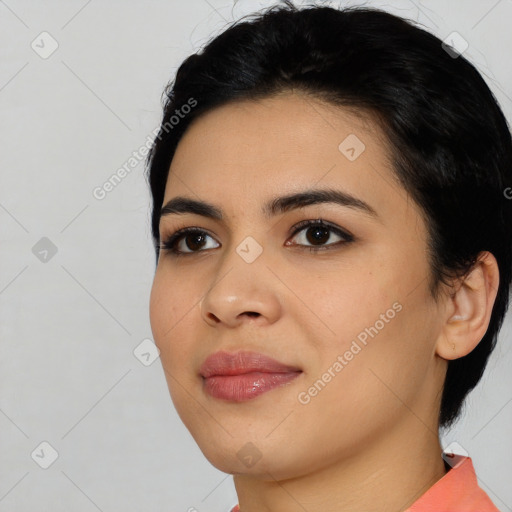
(318, 233)
(194, 241)
(186, 241)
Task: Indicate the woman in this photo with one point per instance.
(333, 243)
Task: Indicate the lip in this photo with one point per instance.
(244, 375)
(239, 363)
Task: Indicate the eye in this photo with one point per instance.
(191, 240)
(318, 232)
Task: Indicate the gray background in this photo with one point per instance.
(70, 320)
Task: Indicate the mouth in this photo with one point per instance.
(242, 376)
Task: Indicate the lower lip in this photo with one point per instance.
(239, 388)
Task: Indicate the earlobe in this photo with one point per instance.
(469, 309)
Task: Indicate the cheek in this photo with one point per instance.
(161, 308)
(170, 307)
(383, 333)
(171, 311)
(343, 302)
(370, 386)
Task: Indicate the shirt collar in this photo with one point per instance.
(456, 491)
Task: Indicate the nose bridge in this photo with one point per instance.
(247, 236)
(242, 260)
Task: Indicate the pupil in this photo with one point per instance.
(195, 237)
(321, 235)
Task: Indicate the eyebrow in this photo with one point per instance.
(278, 205)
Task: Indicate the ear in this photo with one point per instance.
(468, 309)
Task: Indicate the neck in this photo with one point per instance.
(389, 474)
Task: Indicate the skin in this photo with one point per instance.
(369, 439)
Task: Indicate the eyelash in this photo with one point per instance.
(169, 244)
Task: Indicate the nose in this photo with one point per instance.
(244, 292)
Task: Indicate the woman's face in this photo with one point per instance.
(353, 322)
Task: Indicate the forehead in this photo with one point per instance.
(248, 151)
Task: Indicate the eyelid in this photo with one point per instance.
(321, 222)
(176, 235)
(168, 243)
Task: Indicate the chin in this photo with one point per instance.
(259, 459)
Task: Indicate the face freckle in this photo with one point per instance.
(365, 301)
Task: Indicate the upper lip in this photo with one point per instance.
(237, 363)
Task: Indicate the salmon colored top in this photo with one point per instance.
(456, 491)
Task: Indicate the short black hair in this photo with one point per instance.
(450, 143)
